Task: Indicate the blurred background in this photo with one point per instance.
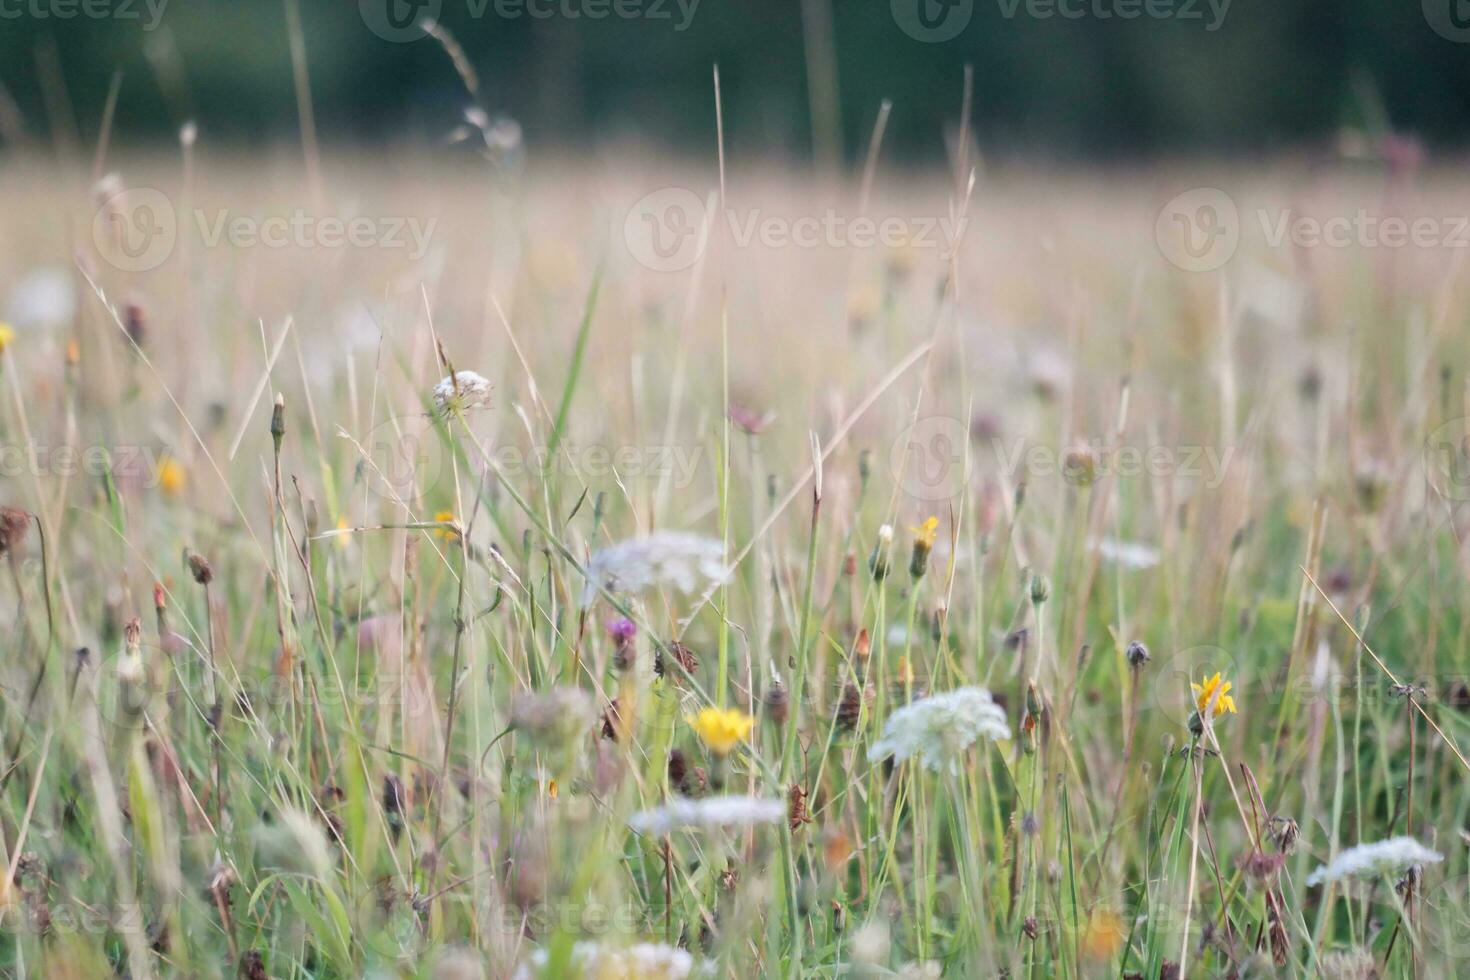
(1074, 80)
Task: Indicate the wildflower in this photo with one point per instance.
(1103, 935)
(294, 843)
(1213, 696)
(1383, 857)
(171, 476)
(7, 334)
(664, 558)
(343, 539)
(461, 391)
(553, 717)
(721, 729)
(878, 560)
(1354, 963)
(749, 421)
(924, 536)
(1127, 554)
(709, 813)
(940, 728)
(645, 961)
(446, 531)
(44, 298)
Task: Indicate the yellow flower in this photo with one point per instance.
(344, 541)
(7, 334)
(721, 728)
(171, 476)
(1207, 692)
(926, 533)
(551, 789)
(1103, 935)
(447, 533)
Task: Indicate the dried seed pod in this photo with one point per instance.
(682, 655)
(14, 523)
(796, 812)
(200, 568)
(849, 707)
(778, 703)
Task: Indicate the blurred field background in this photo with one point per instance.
(317, 664)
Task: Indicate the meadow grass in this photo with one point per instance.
(310, 673)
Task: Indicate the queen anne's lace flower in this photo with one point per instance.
(714, 811)
(1384, 857)
(672, 558)
(462, 390)
(939, 729)
(654, 961)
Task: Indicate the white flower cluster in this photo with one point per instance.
(713, 811)
(939, 729)
(672, 558)
(1384, 857)
(462, 390)
(654, 961)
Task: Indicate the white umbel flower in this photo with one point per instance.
(939, 729)
(1128, 554)
(461, 390)
(672, 558)
(1384, 857)
(655, 961)
(708, 813)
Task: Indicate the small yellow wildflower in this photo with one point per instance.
(7, 334)
(927, 531)
(924, 536)
(171, 476)
(721, 728)
(1216, 691)
(344, 541)
(551, 789)
(1103, 935)
(446, 533)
